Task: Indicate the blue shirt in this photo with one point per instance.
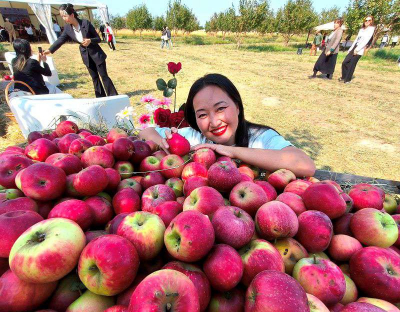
(264, 139)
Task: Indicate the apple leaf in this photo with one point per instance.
(161, 84)
(172, 83)
(168, 92)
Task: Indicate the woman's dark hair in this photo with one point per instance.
(23, 50)
(242, 136)
(69, 8)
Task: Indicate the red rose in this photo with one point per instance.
(162, 117)
(174, 68)
(177, 120)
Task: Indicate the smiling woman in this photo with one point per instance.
(214, 111)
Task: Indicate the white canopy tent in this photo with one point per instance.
(46, 10)
(328, 26)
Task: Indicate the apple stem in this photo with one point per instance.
(315, 259)
(169, 306)
(40, 237)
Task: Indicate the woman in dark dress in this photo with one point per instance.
(327, 60)
(29, 70)
(83, 32)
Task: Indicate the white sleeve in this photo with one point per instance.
(365, 38)
(269, 139)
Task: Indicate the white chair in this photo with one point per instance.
(38, 112)
(53, 79)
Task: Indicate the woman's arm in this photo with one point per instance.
(290, 158)
(151, 134)
(58, 43)
(45, 70)
(92, 34)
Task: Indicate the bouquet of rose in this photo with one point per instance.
(160, 115)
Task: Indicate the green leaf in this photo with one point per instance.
(168, 92)
(161, 84)
(172, 83)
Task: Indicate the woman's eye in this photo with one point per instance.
(220, 109)
(201, 116)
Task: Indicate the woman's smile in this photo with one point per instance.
(219, 131)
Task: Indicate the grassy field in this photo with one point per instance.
(352, 128)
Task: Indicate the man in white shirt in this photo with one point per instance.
(57, 28)
(395, 39)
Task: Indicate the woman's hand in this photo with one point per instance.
(223, 150)
(42, 57)
(168, 135)
(47, 52)
(86, 42)
(328, 53)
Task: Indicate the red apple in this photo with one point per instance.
(125, 169)
(374, 228)
(276, 220)
(257, 256)
(193, 183)
(178, 145)
(204, 199)
(248, 196)
(361, 307)
(142, 150)
(315, 230)
(91, 235)
(321, 278)
(68, 290)
(367, 196)
(351, 293)
(10, 165)
(342, 225)
(268, 189)
(145, 231)
(160, 154)
(323, 196)
(126, 200)
(223, 267)
(65, 142)
(47, 251)
(19, 296)
(152, 178)
(281, 178)
(108, 265)
(79, 146)
(97, 155)
(117, 308)
(91, 180)
(84, 133)
(298, 187)
(165, 290)
(114, 178)
(342, 247)
(189, 236)
(171, 166)
(155, 195)
(150, 163)
(131, 183)
(387, 306)
(198, 278)
(41, 149)
(113, 225)
(12, 225)
(291, 252)
(21, 203)
(229, 301)
(194, 169)
(96, 140)
(66, 127)
(114, 134)
(43, 181)
(205, 156)
(102, 211)
(90, 302)
(223, 176)
(233, 226)
(67, 162)
(294, 201)
(277, 291)
(33, 136)
(167, 211)
(177, 186)
(315, 304)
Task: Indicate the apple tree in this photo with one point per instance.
(139, 18)
(328, 15)
(296, 17)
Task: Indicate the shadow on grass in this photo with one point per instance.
(305, 141)
(273, 48)
(387, 55)
(138, 92)
(69, 85)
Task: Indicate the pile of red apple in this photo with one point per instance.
(113, 224)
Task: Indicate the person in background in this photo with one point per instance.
(215, 113)
(83, 33)
(327, 60)
(102, 34)
(12, 35)
(316, 43)
(384, 42)
(110, 37)
(395, 39)
(29, 70)
(357, 49)
(56, 28)
(169, 37)
(3, 34)
(29, 32)
(164, 38)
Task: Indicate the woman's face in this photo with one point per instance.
(368, 21)
(336, 25)
(217, 116)
(68, 18)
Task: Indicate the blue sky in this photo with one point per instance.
(203, 9)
